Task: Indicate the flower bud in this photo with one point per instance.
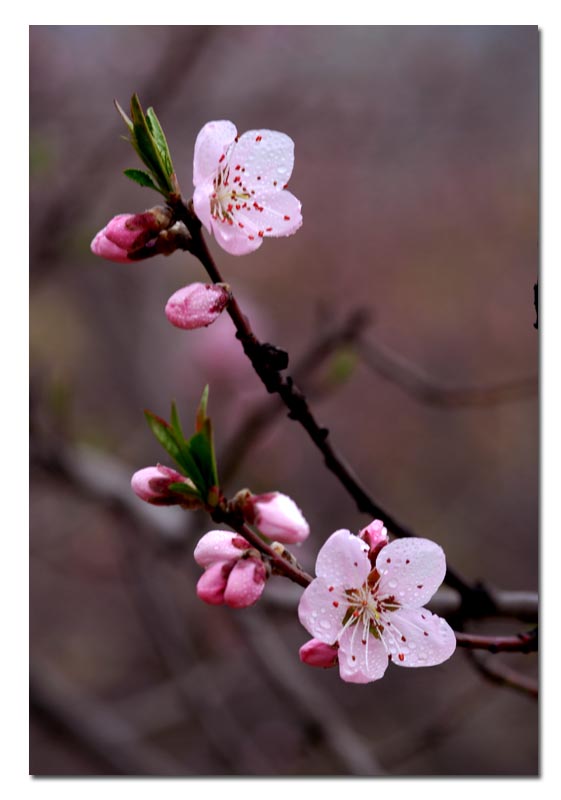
(151, 484)
(318, 654)
(212, 583)
(277, 516)
(376, 537)
(126, 233)
(245, 583)
(219, 546)
(197, 305)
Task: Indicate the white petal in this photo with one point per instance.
(361, 660)
(212, 143)
(321, 611)
(235, 240)
(273, 214)
(411, 570)
(267, 158)
(429, 640)
(343, 560)
(201, 203)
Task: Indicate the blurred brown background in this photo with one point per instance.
(417, 167)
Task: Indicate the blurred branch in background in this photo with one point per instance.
(415, 382)
(498, 672)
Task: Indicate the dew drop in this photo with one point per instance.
(392, 584)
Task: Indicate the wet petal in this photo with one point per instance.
(361, 660)
(267, 158)
(273, 214)
(219, 546)
(411, 570)
(235, 241)
(343, 560)
(245, 583)
(212, 143)
(321, 610)
(418, 638)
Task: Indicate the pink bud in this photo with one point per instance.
(318, 654)
(245, 583)
(152, 485)
(131, 231)
(197, 305)
(221, 546)
(103, 247)
(375, 535)
(212, 583)
(278, 517)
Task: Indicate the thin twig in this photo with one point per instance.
(521, 643)
(418, 384)
(498, 672)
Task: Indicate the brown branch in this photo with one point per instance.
(268, 362)
(417, 384)
(498, 672)
(521, 643)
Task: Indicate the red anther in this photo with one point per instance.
(286, 217)
(331, 588)
(388, 561)
(251, 237)
(238, 166)
(274, 183)
(261, 234)
(268, 229)
(230, 207)
(407, 561)
(258, 138)
(420, 586)
(240, 224)
(221, 159)
(238, 206)
(336, 604)
(259, 177)
(403, 639)
(401, 656)
(425, 633)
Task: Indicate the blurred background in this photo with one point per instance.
(408, 293)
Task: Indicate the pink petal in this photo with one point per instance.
(273, 214)
(235, 241)
(212, 583)
(411, 570)
(245, 583)
(103, 247)
(361, 660)
(212, 143)
(219, 546)
(318, 654)
(267, 157)
(429, 640)
(197, 305)
(343, 560)
(201, 203)
(321, 611)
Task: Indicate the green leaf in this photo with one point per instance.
(124, 117)
(177, 448)
(145, 145)
(141, 177)
(200, 448)
(183, 488)
(160, 139)
(201, 411)
(175, 423)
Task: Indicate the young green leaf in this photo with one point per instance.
(183, 488)
(142, 178)
(201, 411)
(146, 147)
(160, 139)
(200, 448)
(175, 423)
(177, 448)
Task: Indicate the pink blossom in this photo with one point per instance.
(152, 484)
(240, 186)
(277, 516)
(234, 573)
(318, 654)
(197, 305)
(376, 536)
(376, 614)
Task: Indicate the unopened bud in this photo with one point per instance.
(376, 536)
(152, 484)
(318, 654)
(277, 516)
(245, 583)
(212, 583)
(126, 233)
(197, 305)
(219, 546)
